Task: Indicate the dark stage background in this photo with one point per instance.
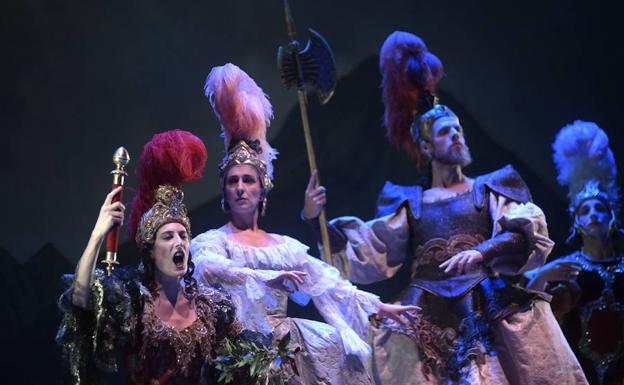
(81, 78)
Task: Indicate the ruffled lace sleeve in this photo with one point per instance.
(214, 266)
(340, 303)
(243, 271)
(89, 338)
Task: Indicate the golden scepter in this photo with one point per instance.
(120, 159)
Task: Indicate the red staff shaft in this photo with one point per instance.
(112, 239)
(120, 159)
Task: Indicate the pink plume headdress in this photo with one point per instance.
(170, 159)
(585, 164)
(410, 74)
(245, 113)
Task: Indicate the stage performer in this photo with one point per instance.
(157, 317)
(260, 269)
(588, 285)
(464, 239)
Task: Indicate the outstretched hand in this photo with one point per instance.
(281, 282)
(560, 271)
(463, 262)
(398, 313)
(315, 198)
(111, 214)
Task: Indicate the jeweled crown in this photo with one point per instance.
(168, 208)
(247, 152)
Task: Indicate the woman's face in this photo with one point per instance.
(242, 189)
(594, 218)
(171, 250)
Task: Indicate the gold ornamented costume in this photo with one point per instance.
(121, 318)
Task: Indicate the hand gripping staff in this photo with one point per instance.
(120, 159)
(309, 67)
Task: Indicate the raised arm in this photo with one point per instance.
(363, 252)
(110, 214)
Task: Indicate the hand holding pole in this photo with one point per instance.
(120, 159)
(311, 66)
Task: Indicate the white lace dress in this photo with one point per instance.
(330, 354)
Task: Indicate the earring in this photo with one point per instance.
(224, 206)
(264, 205)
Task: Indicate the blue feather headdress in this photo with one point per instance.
(585, 164)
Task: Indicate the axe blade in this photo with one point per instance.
(312, 67)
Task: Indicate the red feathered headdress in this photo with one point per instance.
(410, 74)
(170, 158)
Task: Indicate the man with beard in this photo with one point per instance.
(464, 240)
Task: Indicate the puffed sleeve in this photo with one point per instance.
(246, 286)
(213, 267)
(89, 338)
(373, 250)
(342, 305)
(519, 237)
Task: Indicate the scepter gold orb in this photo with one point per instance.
(121, 157)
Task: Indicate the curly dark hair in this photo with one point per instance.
(148, 275)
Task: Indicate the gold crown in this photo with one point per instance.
(244, 153)
(168, 208)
